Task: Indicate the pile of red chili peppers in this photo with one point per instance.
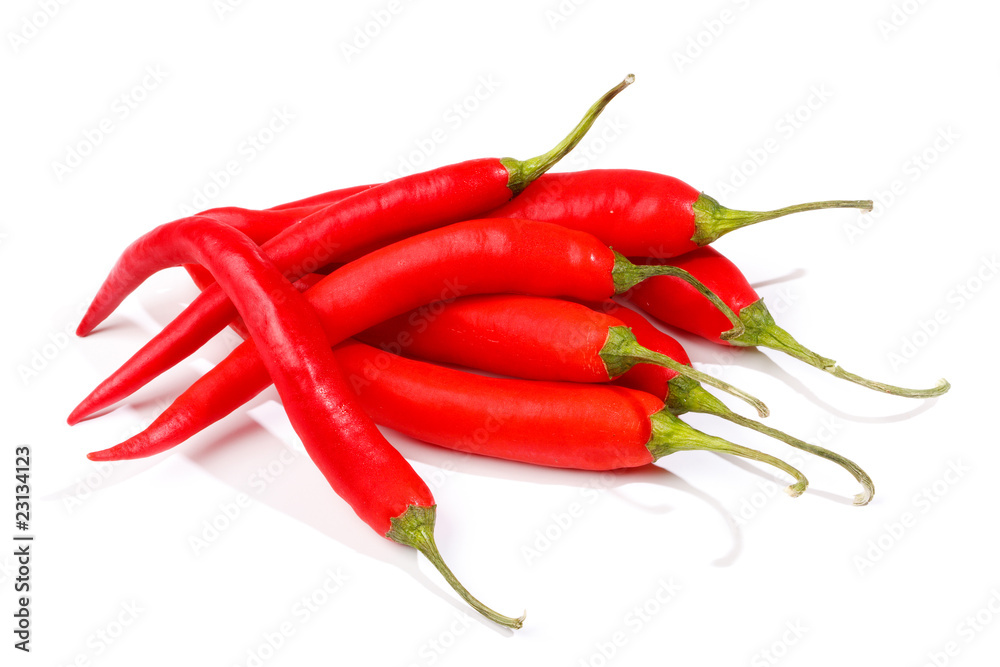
(350, 301)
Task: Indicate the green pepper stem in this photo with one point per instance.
(761, 330)
(621, 351)
(686, 395)
(671, 435)
(415, 528)
(712, 219)
(627, 275)
(523, 172)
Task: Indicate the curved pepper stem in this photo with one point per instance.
(523, 172)
(671, 435)
(761, 330)
(622, 351)
(686, 395)
(415, 528)
(627, 275)
(712, 219)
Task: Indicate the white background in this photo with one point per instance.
(116, 576)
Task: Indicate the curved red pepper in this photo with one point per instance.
(344, 443)
(294, 352)
(560, 424)
(565, 425)
(346, 229)
(530, 337)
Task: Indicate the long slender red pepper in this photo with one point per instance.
(479, 256)
(529, 337)
(635, 212)
(560, 424)
(671, 302)
(369, 218)
(552, 339)
(640, 212)
(361, 466)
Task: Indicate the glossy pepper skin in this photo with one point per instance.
(262, 226)
(560, 424)
(473, 257)
(361, 466)
(564, 425)
(530, 337)
(521, 336)
(347, 229)
(635, 212)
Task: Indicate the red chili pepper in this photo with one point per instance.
(260, 226)
(361, 466)
(370, 218)
(635, 212)
(479, 256)
(529, 337)
(671, 302)
(551, 339)
(640, 212)
(560, 424)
